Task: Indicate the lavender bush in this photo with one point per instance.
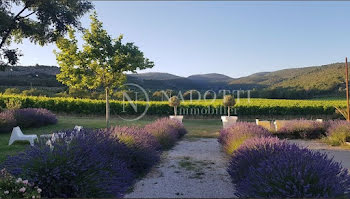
(302, 129)
(164, 131)
(7, 121)
(144, 148)
(34, 117)
(338, 132)
(77, 164)
(269, 168)
(28, 117)
(233, 137)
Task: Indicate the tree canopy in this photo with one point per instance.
(40, 21)
(102, 61)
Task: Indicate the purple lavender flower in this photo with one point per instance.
(28, 117)
(90, 165)
(232, 137)
(144, 148)
(269, 168)
(304, 129)
(166, 131)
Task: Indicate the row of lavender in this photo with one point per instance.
(25, 118)
(263, 166)
(333, 132)
(91, 163)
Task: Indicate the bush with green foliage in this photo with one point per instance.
(33, 92)
(11, 187)
(11, 91)
(244, 107)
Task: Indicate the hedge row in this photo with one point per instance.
(243, 107)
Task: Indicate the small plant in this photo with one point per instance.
(174, 102)
(10, 187)
(76, 165)
(13, 104)
(229, 102)
(233, 137)
(270, 168)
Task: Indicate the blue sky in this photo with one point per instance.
(232, 38)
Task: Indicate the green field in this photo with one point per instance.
(196, 128)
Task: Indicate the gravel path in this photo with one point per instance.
(192, 169)
(339, 155)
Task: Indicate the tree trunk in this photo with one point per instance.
(175, 110)
(228, 111)
(107, 108)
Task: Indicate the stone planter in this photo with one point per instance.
(178, 117)
(228, 121)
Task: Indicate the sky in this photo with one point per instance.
(229, 37)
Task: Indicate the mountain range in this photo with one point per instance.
(326, 79)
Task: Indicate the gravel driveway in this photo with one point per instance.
(192, 169)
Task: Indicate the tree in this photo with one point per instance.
(40, 21)
(174, 102)
(101, 63)
(229, 102)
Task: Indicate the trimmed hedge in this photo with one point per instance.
(254, 107)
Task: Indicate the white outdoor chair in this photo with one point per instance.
(18, 135)
(78, 128)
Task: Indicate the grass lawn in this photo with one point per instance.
(207, 128)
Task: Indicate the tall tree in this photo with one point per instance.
(101, 63)
(40, 21)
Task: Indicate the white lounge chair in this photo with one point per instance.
(18, 135)
(78, 128)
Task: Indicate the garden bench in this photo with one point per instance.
(17, 134)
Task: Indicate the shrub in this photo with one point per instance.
(77, 164)
(34, 117)
(10, 91)
(269, 168)
(28, 117)
(7, 121)
(245, 107)
(10, 187)
(175, 124)
(13, 104)
(304, 129)
(32, 92)
(234, 136)
(144, 148)
(165, 131)
(338, 132)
